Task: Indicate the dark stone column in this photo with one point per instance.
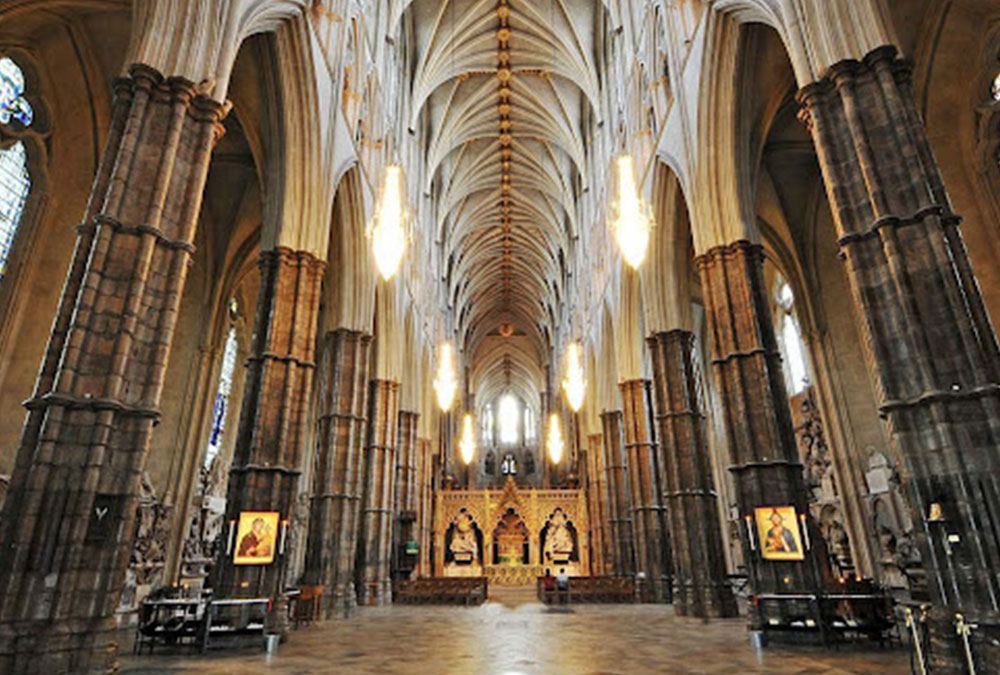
(425, 515)
(652, 546)
(372, 569)
(69, 518)
(594, 467)
(930, 346)
(270, 440)
(699, 572)
(336, 495)
(619, 504)
(405, 499)
(762, 453)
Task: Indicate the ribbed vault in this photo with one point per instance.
(503, 89)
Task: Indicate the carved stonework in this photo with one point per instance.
(817, 466)
(554, 521)
(149, 552)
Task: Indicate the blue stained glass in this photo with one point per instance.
(15, 184)
(13, 105)
(222, 397)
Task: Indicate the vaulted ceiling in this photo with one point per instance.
(504, 89)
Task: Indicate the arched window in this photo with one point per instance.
(222, 398)
(487, 430)
(13, 104)
(509, 417)
(529, 425)
(995, 88)
(794, 351)
(15, 183)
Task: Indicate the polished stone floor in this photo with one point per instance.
(516, 637)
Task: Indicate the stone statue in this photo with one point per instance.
(558, 538)
(464, 547)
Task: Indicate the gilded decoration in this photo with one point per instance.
(511, 535)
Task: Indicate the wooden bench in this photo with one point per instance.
(590, 590)
(441, 591)
(230, 620)
(826, 618)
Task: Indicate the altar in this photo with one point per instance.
(511, 535)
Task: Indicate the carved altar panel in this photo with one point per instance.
(559, 518)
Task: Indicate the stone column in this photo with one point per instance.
(619, 504)
(270, 439)
(760, 438)
(591, 476)
(425, 516)
(69, 518)
(930, 346)
(652, 546)
(336, 494)
(372, 569)
(600, 491)
(699, 571)
(405, 499)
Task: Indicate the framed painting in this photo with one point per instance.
(778, 533)
(256, 538)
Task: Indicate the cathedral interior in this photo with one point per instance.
(632, 335)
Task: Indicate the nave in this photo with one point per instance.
(317, 314)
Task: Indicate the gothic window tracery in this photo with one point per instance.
(13, 104)
(793, 348)
(15, 181)
(487, 424)
(222, 397)
(508, 419)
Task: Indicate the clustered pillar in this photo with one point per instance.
(68, 520)
(425, 518)
(336, 495)
(619, 514)
(760, 438)
(651, 540)
(405, 508)
(929, 343)
(373, 560)
(594, 481)
(699, 567)
(271, 437)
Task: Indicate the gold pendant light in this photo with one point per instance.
(445, 384)
(467, 443)
(387, 230)
(555, 439)
(574, 384)
(631, 219)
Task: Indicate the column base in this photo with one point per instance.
(342, 601)
(717, 601)
(77, 647)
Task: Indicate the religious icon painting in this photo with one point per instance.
(778, 533)
(256, 538)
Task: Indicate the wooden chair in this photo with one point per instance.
(308, 605)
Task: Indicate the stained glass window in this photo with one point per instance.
(15, 183)
(13, 105)
(508, 420)
(529, 425)
(222, 398)
(488, 425)
(791, 339)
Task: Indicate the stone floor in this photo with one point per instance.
(502, 639)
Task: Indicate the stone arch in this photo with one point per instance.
(349, 296)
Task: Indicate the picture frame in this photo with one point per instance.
(256, 538)
(778, 533)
